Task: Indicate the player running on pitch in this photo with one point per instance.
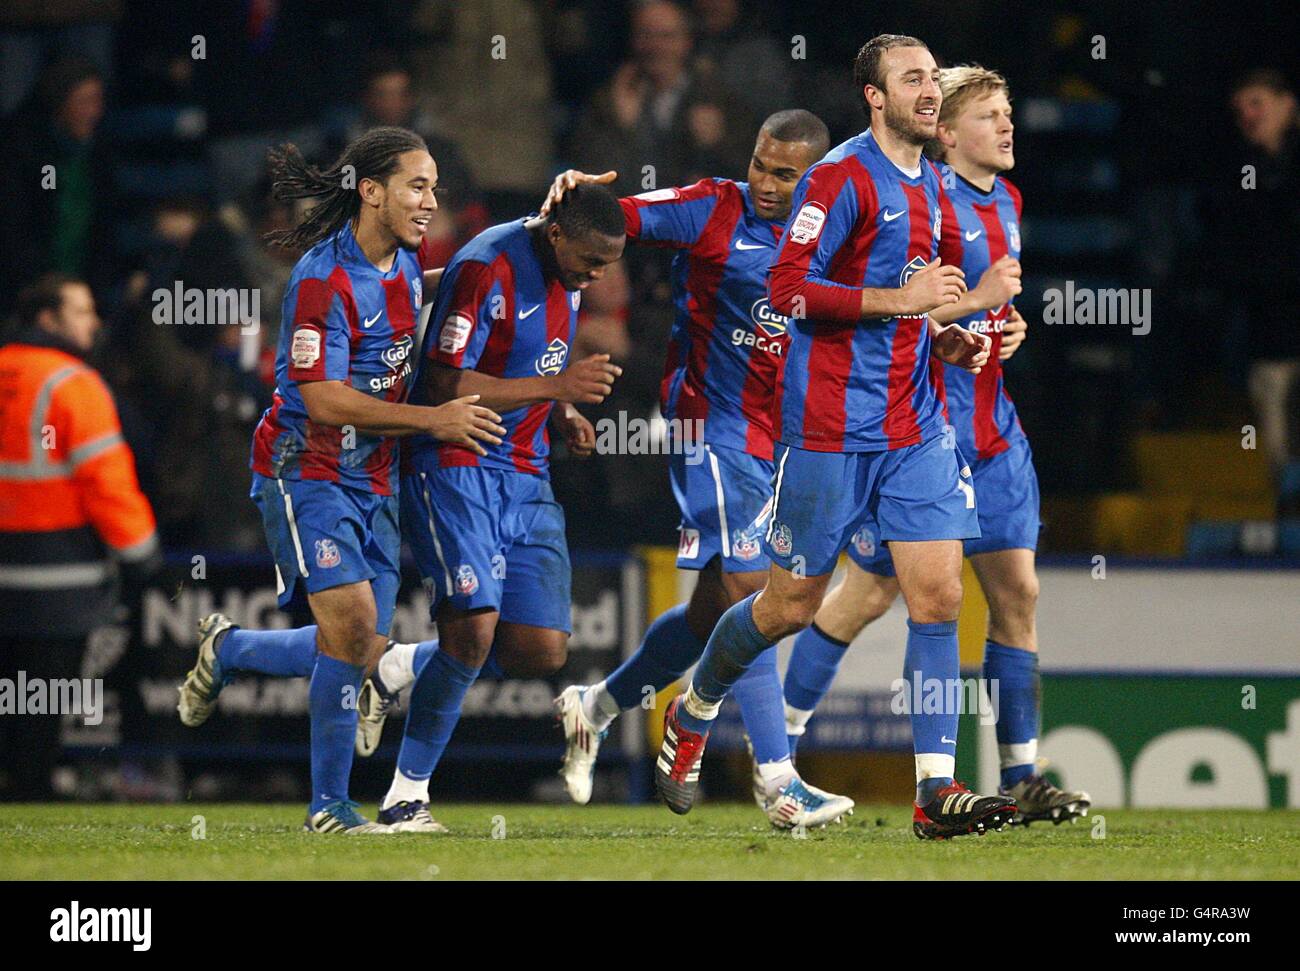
(719, 377)
(323, 453)
(981, 233)
(485, 529)
(862, 429)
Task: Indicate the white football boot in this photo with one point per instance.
(204, 682)
(799, 804)
(581, 743)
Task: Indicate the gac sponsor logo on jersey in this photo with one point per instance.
(771, 329)
(772, 323)
(396, 355)
(688, 545)
(553, 358)
(864, 542)
(807, 225)
(916, 263)
(466, 580)
(986, 326)
(780, 538)
(744, 543)
(455, 334)
(327, 554)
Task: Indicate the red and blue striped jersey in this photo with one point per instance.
(726, 340)
(851, 385)
(343, 320)
(979, 228)
(497, 313)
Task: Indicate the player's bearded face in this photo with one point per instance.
(913, 118)
(911, 97)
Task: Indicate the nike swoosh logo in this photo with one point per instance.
(891, 216)
(740, 244)
(367, 323)
(529, 312)
(945, 738)
(971, 237)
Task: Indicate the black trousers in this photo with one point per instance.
(30, 744)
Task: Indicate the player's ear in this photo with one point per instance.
(371, 191)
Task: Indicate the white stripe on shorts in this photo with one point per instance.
(293, 528)
(433, 532)
(776, 493)
(722, 503)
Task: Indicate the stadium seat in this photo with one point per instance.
(1289, 481)
(1202, 464)
(1212, 539)
(1140, 525)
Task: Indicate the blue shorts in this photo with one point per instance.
(487, 538)
(821, 500)
(1006, 491)
(721, 499)
(328, 535)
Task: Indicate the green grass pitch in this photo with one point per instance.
(727, 841)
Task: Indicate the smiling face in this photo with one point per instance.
(581, 261)
(774, 170)
(981, 136)
(911, 98)
(405, 202)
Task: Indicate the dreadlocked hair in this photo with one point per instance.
(371, 155)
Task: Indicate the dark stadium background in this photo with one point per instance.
(1130, 165)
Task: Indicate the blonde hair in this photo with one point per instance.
(960, 86)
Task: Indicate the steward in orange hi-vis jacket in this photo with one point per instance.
(71, 510)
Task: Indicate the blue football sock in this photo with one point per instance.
(1015, 672)
(732, 648)
(282, 653)
(423, 651)
(433, 711)
(758, 692)
(335, 685)
(666, 651)
(932, 666)
(813, 663)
